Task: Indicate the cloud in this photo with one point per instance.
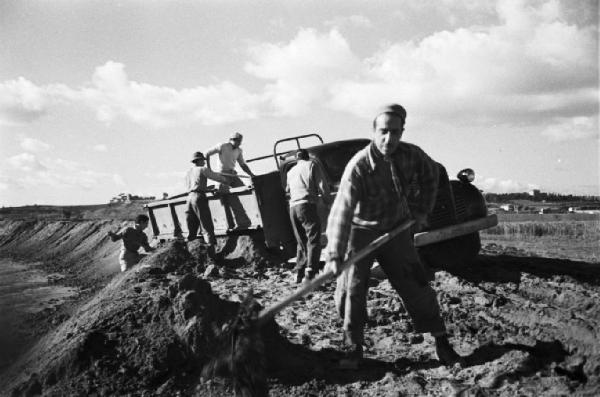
(21, 101)
(302, 71)
(359, 21)
(536, 64)
(34, 145)
(100, 147)
(112, 95)
(118, 180)
(55, 173)
(532, 64)
(495, 185)
(25, 162)
(572, 128)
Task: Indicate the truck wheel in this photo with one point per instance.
(451, 253)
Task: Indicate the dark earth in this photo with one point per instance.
(526, 324)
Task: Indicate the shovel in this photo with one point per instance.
(270, 312)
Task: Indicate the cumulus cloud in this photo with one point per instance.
(21, 101)
(25, 162)
(100, 147)
(34, 145)
(531, 64)
(495, 185)
(535, 64)
(304, 70)
(572, 128)
(359, 21)
(112, 94)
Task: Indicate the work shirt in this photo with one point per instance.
(228, 155)
(305, 182)
(196, 178)
(372, 193)
(133, 239)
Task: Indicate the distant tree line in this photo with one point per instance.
(539, 196)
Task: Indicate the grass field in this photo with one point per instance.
(565, 236)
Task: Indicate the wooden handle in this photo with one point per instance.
(270, 312)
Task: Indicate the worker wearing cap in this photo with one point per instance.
(305, 183)
(371, 201)
(230, 153)
(197, 211)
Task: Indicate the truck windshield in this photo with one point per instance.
(335, 158)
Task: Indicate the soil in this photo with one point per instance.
(526, 324)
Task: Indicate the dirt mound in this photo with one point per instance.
(151, 328)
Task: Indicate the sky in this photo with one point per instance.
(105, 97)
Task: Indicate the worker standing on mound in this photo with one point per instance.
(230, 153)
(133, 238)
(371, 201)
(197, 211)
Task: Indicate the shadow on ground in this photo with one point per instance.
(507, 268)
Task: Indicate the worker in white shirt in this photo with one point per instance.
(230, 153)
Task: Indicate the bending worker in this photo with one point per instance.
(197, 211)
(304, 184)
(230, 153)
(133, 238)
(371, 201)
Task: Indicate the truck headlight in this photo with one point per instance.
(467, 175)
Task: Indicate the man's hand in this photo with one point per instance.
(420, 221)
(334, 266)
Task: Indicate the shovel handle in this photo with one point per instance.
(270, 312)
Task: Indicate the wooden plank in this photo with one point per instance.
(448, 232)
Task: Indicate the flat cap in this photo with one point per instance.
(236, 135)
(394, 109)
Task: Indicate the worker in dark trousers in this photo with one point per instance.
(197, 212)
(305, 183)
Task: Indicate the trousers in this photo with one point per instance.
(307, 230)
(198, 215)
(400, 262)
(233, 202)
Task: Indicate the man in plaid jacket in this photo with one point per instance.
(371, 200)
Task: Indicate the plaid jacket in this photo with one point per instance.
(367, 196)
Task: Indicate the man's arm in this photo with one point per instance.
(244, 166)
(210, 152)
(145, 244)
(339, 222)
(115, 236)
(210, 174)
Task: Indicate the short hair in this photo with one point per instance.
(141, 218)
(302, 154)
(393, 109)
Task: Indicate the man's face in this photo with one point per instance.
(142, 225)
(387, 133)
(200, 162)
(236, 142)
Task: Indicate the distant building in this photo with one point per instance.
(129, 198)
(535, 193)
(508, 207)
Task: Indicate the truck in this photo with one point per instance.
(451, 238)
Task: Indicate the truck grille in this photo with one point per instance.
(460, 205)
(443, 212)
